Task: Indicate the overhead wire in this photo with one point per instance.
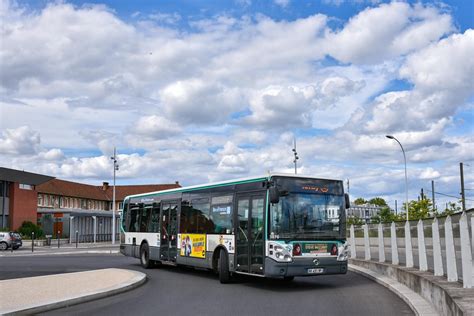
(453, 196)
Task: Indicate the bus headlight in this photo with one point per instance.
(343, 252)
(281, 253)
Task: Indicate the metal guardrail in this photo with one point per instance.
(441, 245)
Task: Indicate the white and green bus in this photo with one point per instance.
(270, 226)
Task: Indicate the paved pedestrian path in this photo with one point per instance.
(43, 293)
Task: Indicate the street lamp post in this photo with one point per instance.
(116, 168)
(406, 178)
(296, 155)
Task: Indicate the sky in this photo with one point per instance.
(203, 91)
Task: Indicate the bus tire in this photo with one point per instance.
(224, 274)
(145, 256)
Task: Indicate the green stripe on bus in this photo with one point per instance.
(184, 190)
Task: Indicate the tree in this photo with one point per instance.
(386, 215)
(450, 209)
(28, 227)
(419, 209)
(360, 201)
(354, 220)
(378, 201)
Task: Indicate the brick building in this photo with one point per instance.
(18, 198)
(63, 206)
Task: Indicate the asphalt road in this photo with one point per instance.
(185, 291)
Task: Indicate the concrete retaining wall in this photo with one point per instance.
(448, 298)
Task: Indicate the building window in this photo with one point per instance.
(40, 200)
(120, 205)
(26, 186)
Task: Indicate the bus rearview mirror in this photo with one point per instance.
(347, 200)
(274, 195)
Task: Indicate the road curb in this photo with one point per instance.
(138, 279)
(415, 301)
(78, 252)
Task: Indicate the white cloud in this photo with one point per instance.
(281, 107)
(429, 173)
(197, 102)
(20, 141)
(166, 18)
(155, 127)
(282, 3)
(444, 66)
(387, 31)
(226, 97)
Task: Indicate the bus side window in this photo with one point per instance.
(145, 218)
(155, 219)
(134, 216)
(200, 216)
(125, 216)
(185, 218)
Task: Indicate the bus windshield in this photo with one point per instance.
(306, 216)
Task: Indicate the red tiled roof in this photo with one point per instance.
(72, 189)
(80, 190)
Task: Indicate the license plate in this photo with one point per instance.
(317, 270)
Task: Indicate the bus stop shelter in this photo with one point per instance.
(78, 224)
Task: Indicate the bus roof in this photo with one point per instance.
(226, 182)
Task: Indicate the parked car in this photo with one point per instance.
(10, 239)
(16, 240)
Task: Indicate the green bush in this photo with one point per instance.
(28, 227)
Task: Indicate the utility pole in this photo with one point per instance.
(396, 208)
(463, 197)
(422, 195)
(348, 188)
(433, 196)
(296, 155)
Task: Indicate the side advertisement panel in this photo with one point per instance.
(192, 245)
(226, 240)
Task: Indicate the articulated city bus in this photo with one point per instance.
(271, 226)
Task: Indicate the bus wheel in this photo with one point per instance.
(224, 274)
(288, 278)
(145, 257)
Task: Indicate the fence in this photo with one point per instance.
(442, 245)
(89, 226)
(99, 238)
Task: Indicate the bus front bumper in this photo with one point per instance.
(305, 267)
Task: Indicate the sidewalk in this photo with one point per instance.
(105, 248)
(43, 293)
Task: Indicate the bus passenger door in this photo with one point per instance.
(169, 231)
(250, 233)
